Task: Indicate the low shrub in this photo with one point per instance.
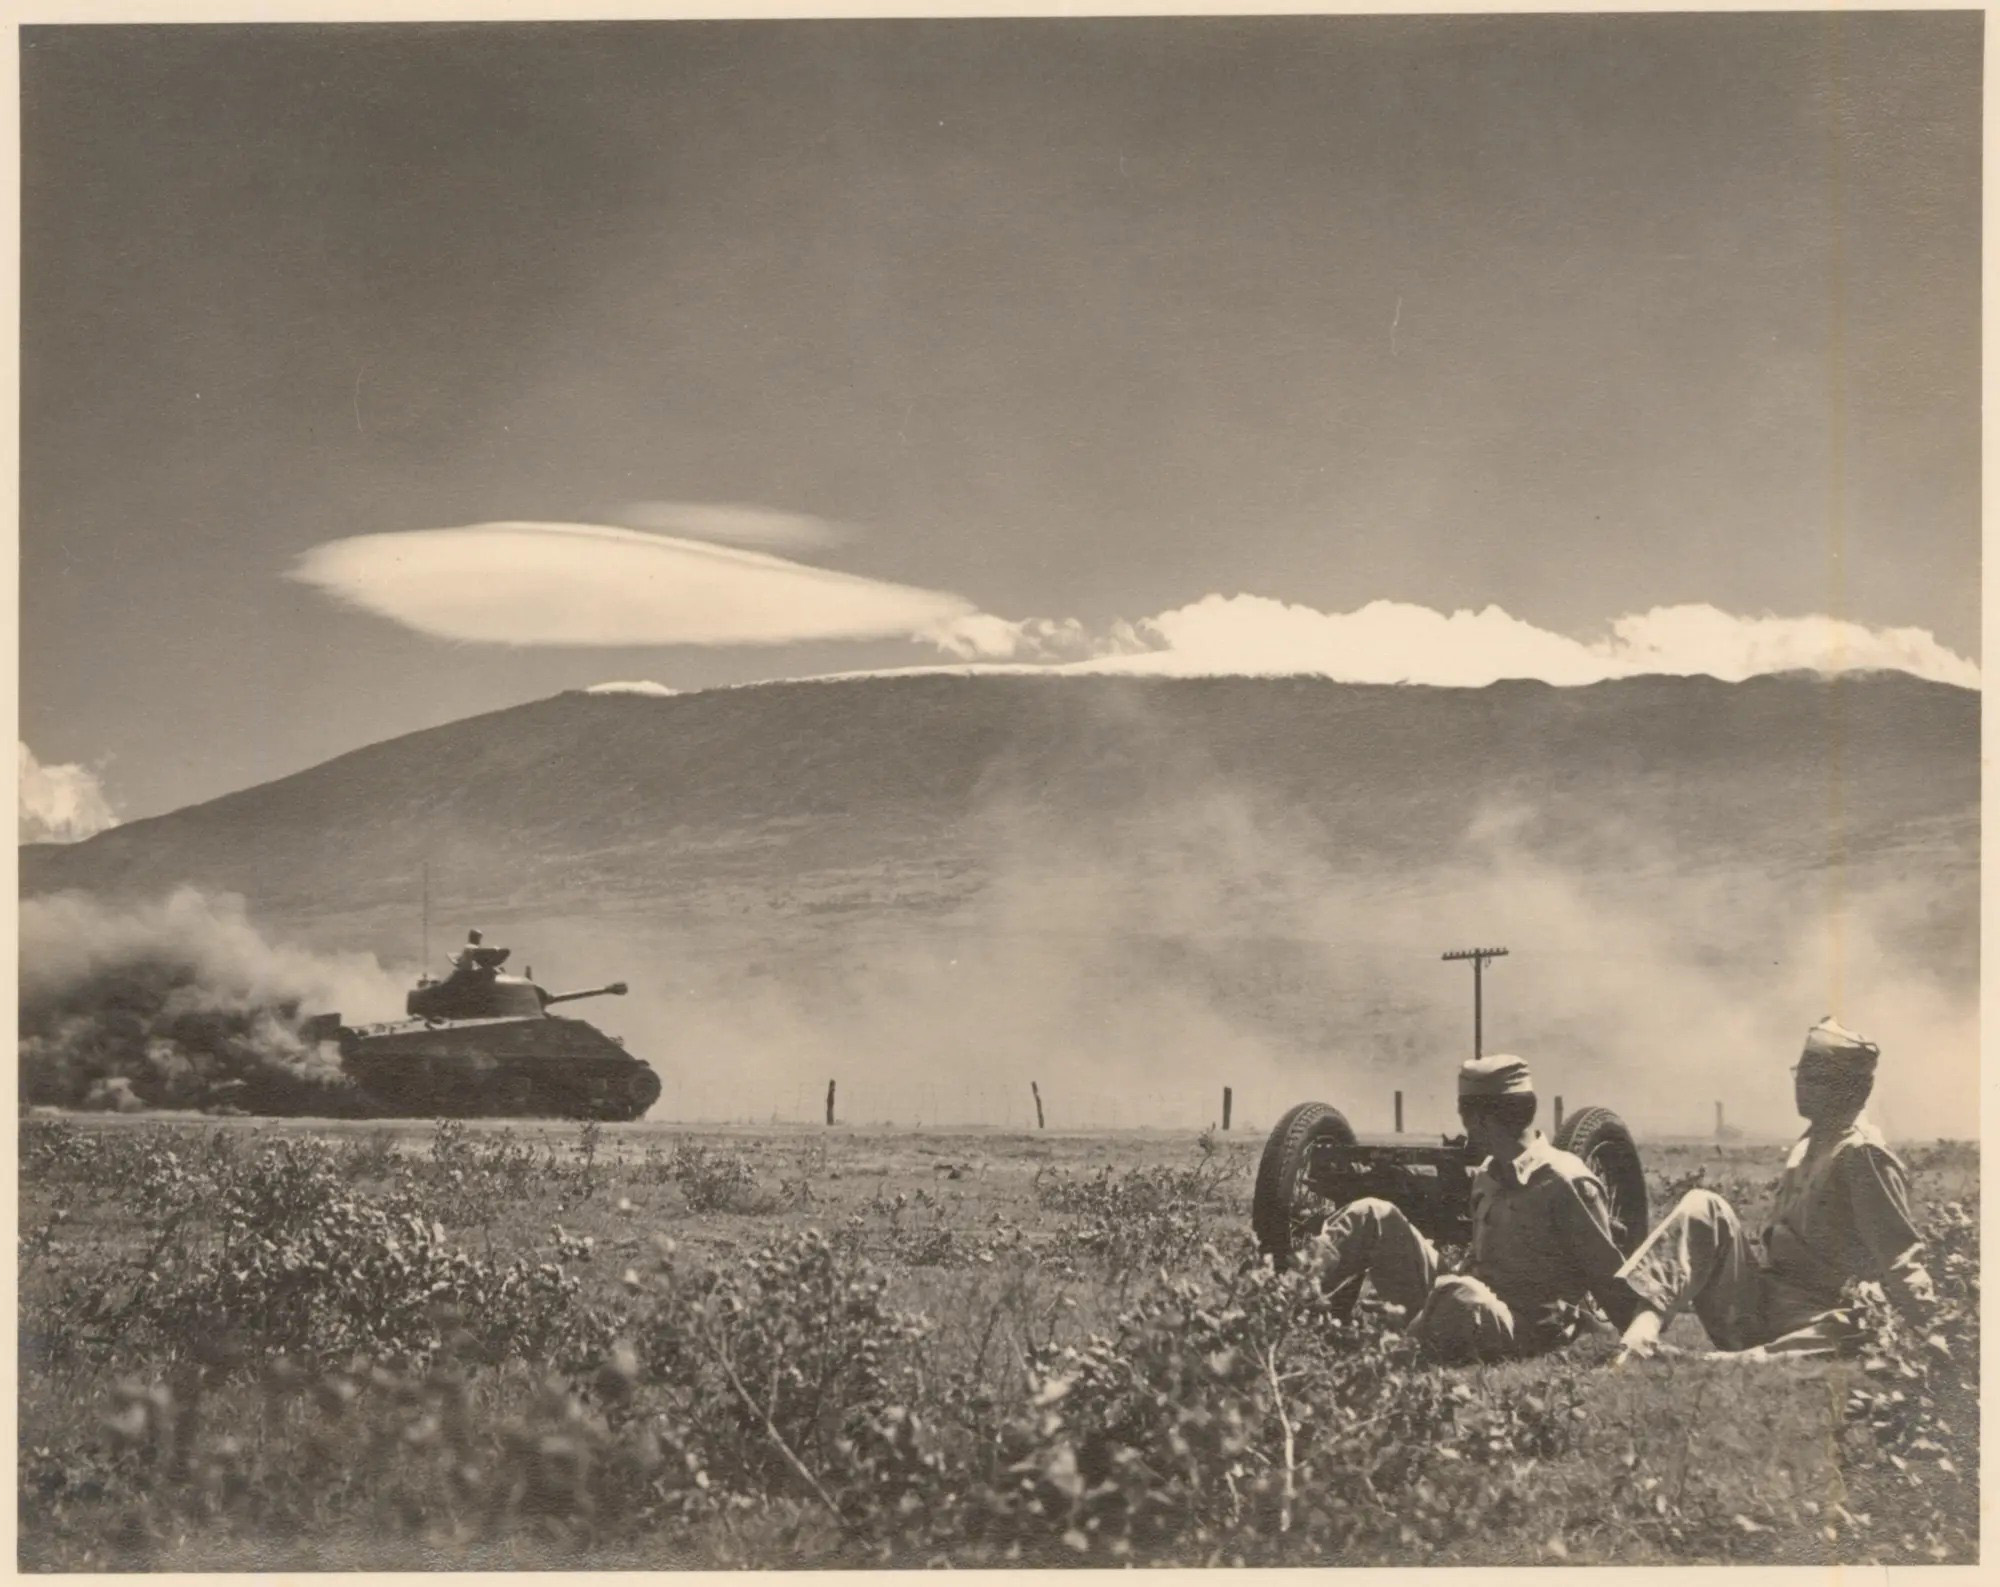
(712, 1180)
(1135, 1220)
(276, 1253)
(1913, 1415)
(787, 1373)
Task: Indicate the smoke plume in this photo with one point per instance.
(180, 1003)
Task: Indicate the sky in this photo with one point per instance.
(1166, 344)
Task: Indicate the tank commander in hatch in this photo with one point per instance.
(1541, 1237)
(475, 955)
(1842, 1212)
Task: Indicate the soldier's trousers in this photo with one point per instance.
(1456, 1318)
(1701, 1257)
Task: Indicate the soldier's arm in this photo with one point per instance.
(1878, 1196)
(1585, 1212)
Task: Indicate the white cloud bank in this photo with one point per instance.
(60, 804)
(635, 686)
(1395, 642)
(585, 584)
(982, 636)
(593, 585)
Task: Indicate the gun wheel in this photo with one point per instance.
(1285, 1210)
(1600, 1138)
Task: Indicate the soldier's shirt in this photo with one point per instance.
(1842, 1211)
(1541, 1231)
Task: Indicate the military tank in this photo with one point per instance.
(482, 1044)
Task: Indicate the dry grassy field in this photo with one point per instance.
(287, 1344)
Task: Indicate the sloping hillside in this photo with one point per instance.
(589, 796)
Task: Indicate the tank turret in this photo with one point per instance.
(478, 990)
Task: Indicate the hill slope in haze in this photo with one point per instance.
(978, 875)
(558, 800)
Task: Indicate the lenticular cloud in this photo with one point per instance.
(1393, 642)
(735, 524)
(582, 584)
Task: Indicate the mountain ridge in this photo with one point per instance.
(831, 770)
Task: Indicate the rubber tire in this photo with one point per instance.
(1600, 1138)
(1274, 1204)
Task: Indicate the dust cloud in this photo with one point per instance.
(181, 1003)
(1133, 971)
(1130, 965)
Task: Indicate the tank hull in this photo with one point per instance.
(541, 1067)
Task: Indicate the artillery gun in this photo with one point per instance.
(482, 1044)
(1314, 1164)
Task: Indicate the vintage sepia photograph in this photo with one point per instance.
(999, 792)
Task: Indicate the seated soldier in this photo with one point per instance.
(1541, 1234)
(1842, 1212)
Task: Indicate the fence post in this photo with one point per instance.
(1399, 1113)
(1040, 1122)
(829, 1101)
(1228, 1097)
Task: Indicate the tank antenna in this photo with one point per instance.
(427, 915)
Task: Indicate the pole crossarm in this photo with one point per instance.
(1479, 958)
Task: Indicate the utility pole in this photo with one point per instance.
(1478, 956)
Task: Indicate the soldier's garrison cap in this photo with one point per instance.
(1830, 1039)
(1500, 1075)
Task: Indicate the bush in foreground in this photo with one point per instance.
(328, 1380)
(276, 1254)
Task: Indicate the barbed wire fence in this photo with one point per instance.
(1427, 1111)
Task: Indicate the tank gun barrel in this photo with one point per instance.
(615, 989)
